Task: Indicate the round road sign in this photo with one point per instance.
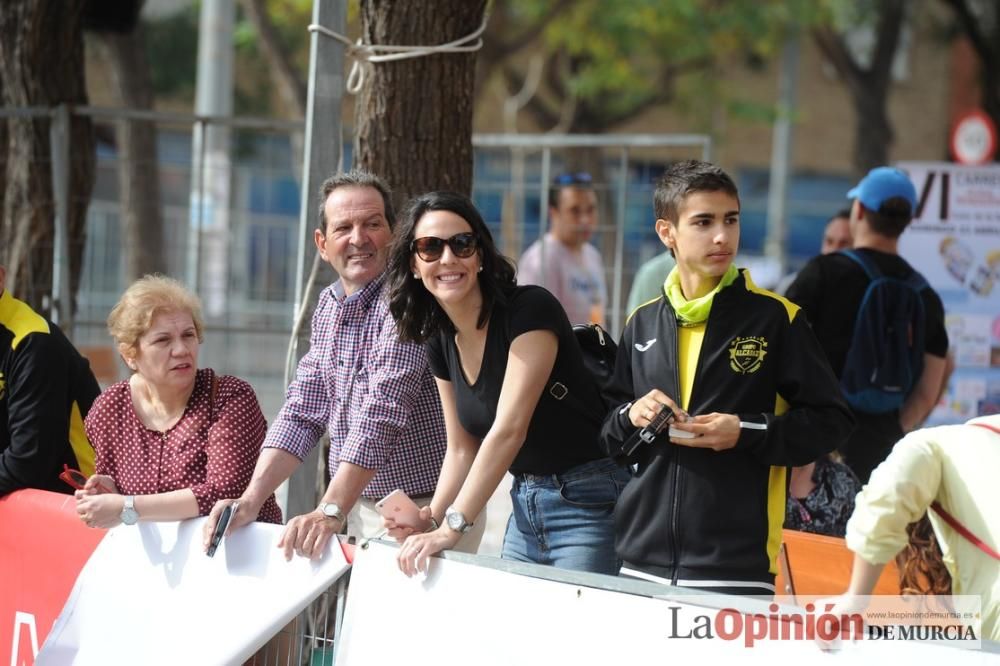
(974, 139)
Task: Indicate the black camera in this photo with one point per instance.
(657, 424)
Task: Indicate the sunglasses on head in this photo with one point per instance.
(579, 178)
(78, 480)
(430, 248)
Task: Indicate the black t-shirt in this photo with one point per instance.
(559, 436)
(830, 289)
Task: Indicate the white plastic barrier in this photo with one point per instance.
(149, 595)
(484, 611)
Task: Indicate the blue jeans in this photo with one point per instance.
(566, 520)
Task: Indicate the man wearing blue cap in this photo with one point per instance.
(831, 288)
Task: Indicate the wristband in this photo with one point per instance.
(434, 525)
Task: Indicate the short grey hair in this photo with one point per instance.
(356, 178)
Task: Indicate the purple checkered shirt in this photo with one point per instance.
(375, 394)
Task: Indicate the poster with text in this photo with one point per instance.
(954, 241)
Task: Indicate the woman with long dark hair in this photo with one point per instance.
(503, 356)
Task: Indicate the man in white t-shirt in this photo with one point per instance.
(563, 261)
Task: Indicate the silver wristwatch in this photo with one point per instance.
(331, 510)
(129, 515)
(456, 520)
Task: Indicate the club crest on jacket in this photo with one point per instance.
(746, 354)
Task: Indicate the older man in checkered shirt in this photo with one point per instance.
(372, 393)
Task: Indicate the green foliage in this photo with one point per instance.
(172, 48)
(626, 53)
(172, 53)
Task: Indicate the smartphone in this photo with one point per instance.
(220, 528)
(404, 511)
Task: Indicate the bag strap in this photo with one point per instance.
(987, 426)
(871, 270)
(963, 530)
(917, 281)
(959, 527)
(560, 391)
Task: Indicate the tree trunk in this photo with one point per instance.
(414, 117)
(41, 65)
(138, 172)
(873, 133)
(983, 32)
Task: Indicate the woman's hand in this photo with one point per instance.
(100, 483)
(401, 532)
(99, 510)
(644, 410)
(414, 553)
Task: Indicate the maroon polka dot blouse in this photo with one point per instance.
(212, 449)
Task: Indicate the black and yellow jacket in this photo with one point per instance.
(692, 514)
(46, 389)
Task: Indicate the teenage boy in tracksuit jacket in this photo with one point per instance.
(706, 510)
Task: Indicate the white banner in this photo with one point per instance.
(954, 241)
(149, 595)
(463, 613)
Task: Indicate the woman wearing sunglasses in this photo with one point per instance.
(498, 352)
(171, 439)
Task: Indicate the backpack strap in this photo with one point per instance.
(914, 279)
(560, 391)
(564, 393)
(870, 268)
(959, 527)
(917, 281)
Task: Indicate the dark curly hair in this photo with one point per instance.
(418, 315)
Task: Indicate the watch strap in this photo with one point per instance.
(129, 516)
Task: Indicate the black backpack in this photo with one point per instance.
(599, 351)
(886, 355)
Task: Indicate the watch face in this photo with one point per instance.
(331, 510)
(130, 516)
(456, 521)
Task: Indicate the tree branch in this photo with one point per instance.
(532, 32)
(970, 26)
(291, 87)
(543, 114)
(834, 50)
(890, 24)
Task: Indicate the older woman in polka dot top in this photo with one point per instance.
(172, 439)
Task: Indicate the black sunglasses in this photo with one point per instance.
(579, 178)
(430, 248)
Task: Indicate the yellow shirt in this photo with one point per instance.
(689, 339)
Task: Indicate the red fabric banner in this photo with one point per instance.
(43, 547)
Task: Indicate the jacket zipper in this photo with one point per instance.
(674, 460)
